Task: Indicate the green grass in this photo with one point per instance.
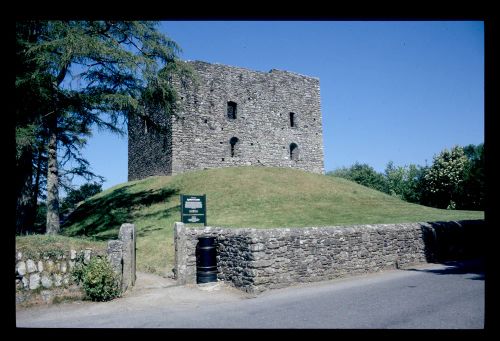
(44, 245)
(239, 197)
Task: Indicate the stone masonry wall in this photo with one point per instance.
(43, 277)
(149, 146)
(256, 260)
(201, 129)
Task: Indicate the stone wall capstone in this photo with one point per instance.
(256, 260)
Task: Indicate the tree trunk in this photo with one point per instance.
(53, 225)
(24, 191)
(36, 189)
(36, 185)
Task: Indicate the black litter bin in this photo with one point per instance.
(206, 260)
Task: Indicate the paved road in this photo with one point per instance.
(431, 297)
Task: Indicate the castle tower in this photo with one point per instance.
(230, 116)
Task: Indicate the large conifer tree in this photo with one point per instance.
(86, 73)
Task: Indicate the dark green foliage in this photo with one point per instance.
(455, 180)
(97, 278)
(77, 195)
(78, 270)
(30, 105)
(364, 175)
(72, 76)
(405, 182)
(41, 218)
(473, 191)
(444, 179)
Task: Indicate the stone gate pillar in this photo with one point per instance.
(127, 236)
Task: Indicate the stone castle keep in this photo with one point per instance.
(230, 116)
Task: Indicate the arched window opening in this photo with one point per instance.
(294, 152)
(231, 110)
(292, 119)
(233, 141)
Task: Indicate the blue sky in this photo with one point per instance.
(390, 91)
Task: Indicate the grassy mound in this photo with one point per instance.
(239, 197)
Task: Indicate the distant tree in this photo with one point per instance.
(404, 182)
(473, 189)
(342, 172)
(395, 177)
(40, 224)
(77, 195)
(364, 175)
(455, 180)
(444, 178)
(74, 75)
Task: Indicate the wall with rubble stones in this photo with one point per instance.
(44, 276)
(256, 260)
(41, 277)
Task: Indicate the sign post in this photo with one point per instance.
(194, 209)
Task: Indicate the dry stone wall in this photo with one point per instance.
(43, 277)
(256, 260)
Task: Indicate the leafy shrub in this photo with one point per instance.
(97, 278)
(78, 270)
(77, 195)
(363, 174)
(444, 179)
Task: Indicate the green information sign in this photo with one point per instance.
(194, 209)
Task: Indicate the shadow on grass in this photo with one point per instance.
(146, 230)
(473, 266)
(101, 218)
(163, 214)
